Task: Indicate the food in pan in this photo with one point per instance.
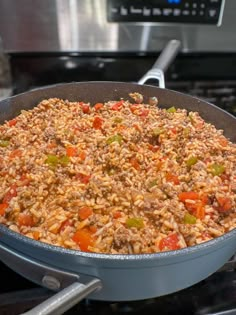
(121, 177)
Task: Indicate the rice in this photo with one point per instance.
(118, 177)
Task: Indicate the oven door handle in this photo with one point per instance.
(162, 63)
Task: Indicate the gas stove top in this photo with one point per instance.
(209, 76)
(215, 295)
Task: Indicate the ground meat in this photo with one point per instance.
(119, 177)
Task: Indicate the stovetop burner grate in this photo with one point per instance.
(220, 93)
(214, 295)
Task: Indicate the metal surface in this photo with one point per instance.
(221, 13)
(5, 74)
(65, 299)
(72, 291)
(36, 271)
(81, 26)
(229, 312)
(160, 66)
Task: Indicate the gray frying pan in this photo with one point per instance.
(107, 277)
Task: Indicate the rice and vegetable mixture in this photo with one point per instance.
(118, 177)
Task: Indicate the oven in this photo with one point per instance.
(55, 41)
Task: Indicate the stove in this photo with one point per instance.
(215, 295)
(211, 76)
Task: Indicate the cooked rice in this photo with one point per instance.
(115, 178)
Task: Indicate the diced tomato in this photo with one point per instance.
(15, 153)
(24, 181)
(84, 239)
(117, 105)
(3, 173)
(137, 127)
(207, 160)
(83, 178)
(200, 211)
(3, 207)
(52, 145)
(205, 235)
(85, 212)
(93, 228)
(159, 165)
(71, 151)
(223, 141)
(144, 113)
(199, 124)
(198, 206)
(12, 122)
(170, 242)
(98, 106)
(117, 215)
(25, 219)
(204, 199)
(225, 204)
(224, 177)
(36, 235)
(172, 178)
(82, 155)
(23, 177)
(120, 128)
(86, 109)
(97, 123)
(173, 130)
(134, 162)
(65, 224)
(191, 195)
(191, 207)
(12, 192)
(153, 148)
(133, 107)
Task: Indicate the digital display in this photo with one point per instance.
(173, 1)
(166, 11)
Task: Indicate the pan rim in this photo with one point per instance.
(211, 244)
(116, 257)
(44, 88)
(58, 85)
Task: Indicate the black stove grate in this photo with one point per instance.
(214, 295)
(220, 93)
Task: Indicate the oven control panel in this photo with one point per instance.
(166, 11)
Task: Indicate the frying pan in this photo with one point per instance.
(77, 274)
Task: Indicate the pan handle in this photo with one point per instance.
(71, 289)
(62, 301)
(162, 63)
